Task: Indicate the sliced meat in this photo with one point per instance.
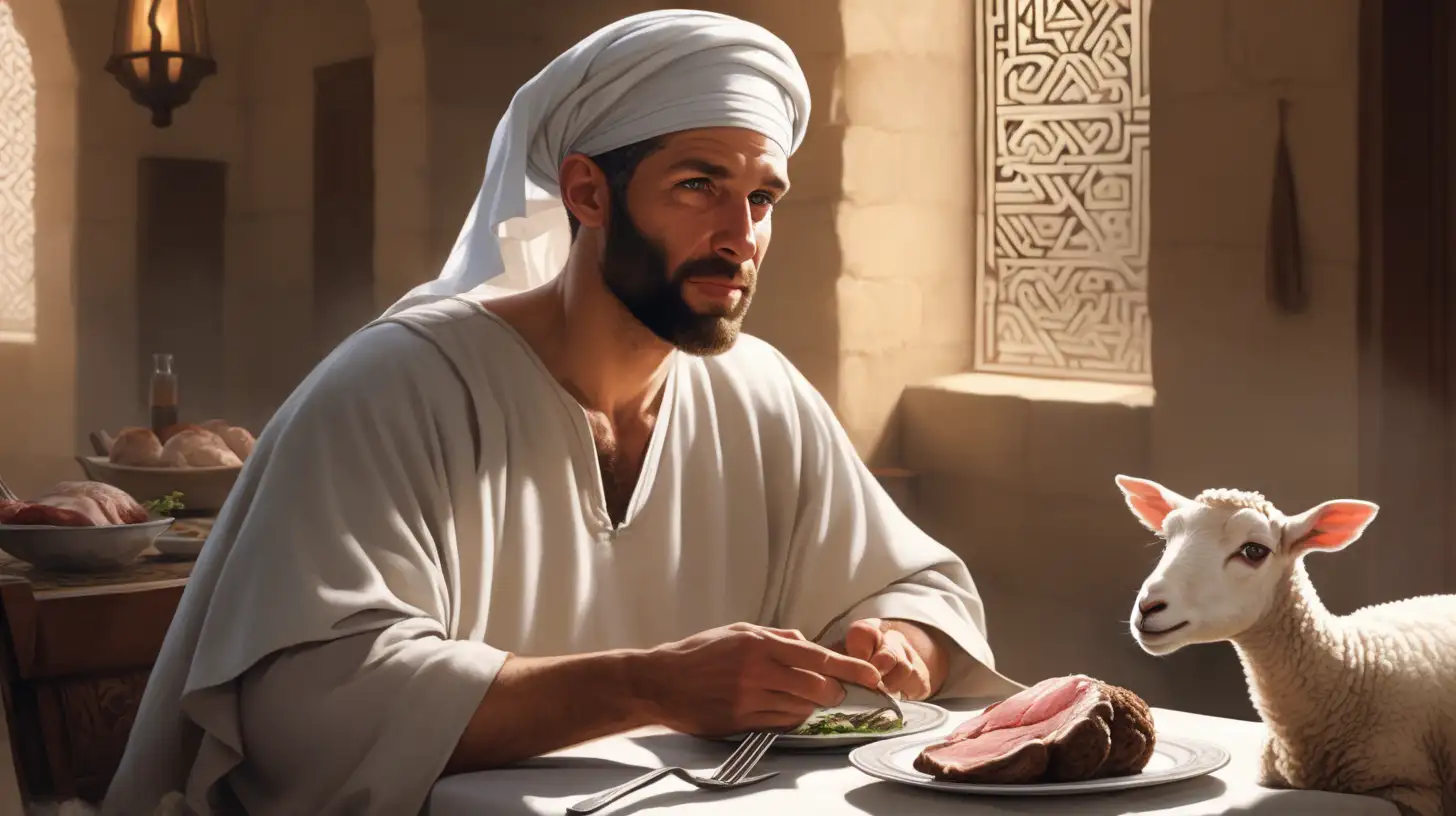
(38, 514)
(76, 504)
(1062, 729)
(117, 505)
(84, 505)
(1027, 706)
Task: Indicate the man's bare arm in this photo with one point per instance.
(730, 679)
(540, 704)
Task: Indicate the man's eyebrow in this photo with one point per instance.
(718, 171)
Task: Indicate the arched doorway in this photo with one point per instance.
(17, 184)
(38, 142)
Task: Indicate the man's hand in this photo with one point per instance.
(910, 658)
(744, 677)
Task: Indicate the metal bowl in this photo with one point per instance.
(81, 549)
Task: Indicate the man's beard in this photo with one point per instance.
(635, 270)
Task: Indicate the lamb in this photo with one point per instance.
(1364, 703)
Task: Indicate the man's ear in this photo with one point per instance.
(1149, 501)
(584, 190)
(1330, 527)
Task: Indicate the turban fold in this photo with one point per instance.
(644, 76)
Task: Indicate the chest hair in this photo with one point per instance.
(620, 454)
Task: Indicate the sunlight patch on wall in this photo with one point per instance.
(17, 185)
(1063, 144)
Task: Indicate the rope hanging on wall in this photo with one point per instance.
(1287, 285)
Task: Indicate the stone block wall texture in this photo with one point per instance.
(867, 288)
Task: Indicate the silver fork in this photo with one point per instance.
(6, 493)
(733, 773)
(891, 706)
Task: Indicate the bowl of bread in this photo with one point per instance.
(79, 527)
(199, 461)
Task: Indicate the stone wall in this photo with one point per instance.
(271, 344)
(867, 287)
(905, 224)
(1019, 480)
(402, 213)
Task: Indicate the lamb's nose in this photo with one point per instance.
(1151, 607)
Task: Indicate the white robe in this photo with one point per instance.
(429, 500)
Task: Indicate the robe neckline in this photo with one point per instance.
(585, 459)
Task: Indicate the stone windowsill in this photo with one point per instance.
(1045, 390)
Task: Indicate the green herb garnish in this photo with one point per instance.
(843, 724)
(166, 505)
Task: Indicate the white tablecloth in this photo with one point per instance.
(827, 785)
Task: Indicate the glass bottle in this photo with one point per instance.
(163, 393)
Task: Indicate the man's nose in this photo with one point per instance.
(737, 238)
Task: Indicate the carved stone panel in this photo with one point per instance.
(1063, 137)
(17, 184)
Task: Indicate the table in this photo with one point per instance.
(75, 653)
(826, 785)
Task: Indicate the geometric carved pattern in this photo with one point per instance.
(1062, 252)
(17, 184)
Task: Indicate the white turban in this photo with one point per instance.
(645, 76)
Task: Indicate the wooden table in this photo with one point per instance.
(75, 654)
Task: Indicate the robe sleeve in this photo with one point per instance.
(855, 555)
(326, 672)
(385, 708)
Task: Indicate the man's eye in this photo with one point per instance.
(761, 200)
(696, 184)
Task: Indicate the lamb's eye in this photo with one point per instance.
(1254, 553)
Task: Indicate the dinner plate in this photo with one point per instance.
(185, 539)
(177, 546)
(1175, 758)
(919, 718)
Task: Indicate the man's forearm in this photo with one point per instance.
(537, 705)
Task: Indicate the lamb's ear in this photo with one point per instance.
(1331, 526)
(1149, 501)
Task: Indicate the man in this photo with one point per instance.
(496, 524)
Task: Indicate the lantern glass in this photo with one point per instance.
(161, 52)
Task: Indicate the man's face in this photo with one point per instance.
(682, 251)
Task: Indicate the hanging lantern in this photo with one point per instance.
(161, 53)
